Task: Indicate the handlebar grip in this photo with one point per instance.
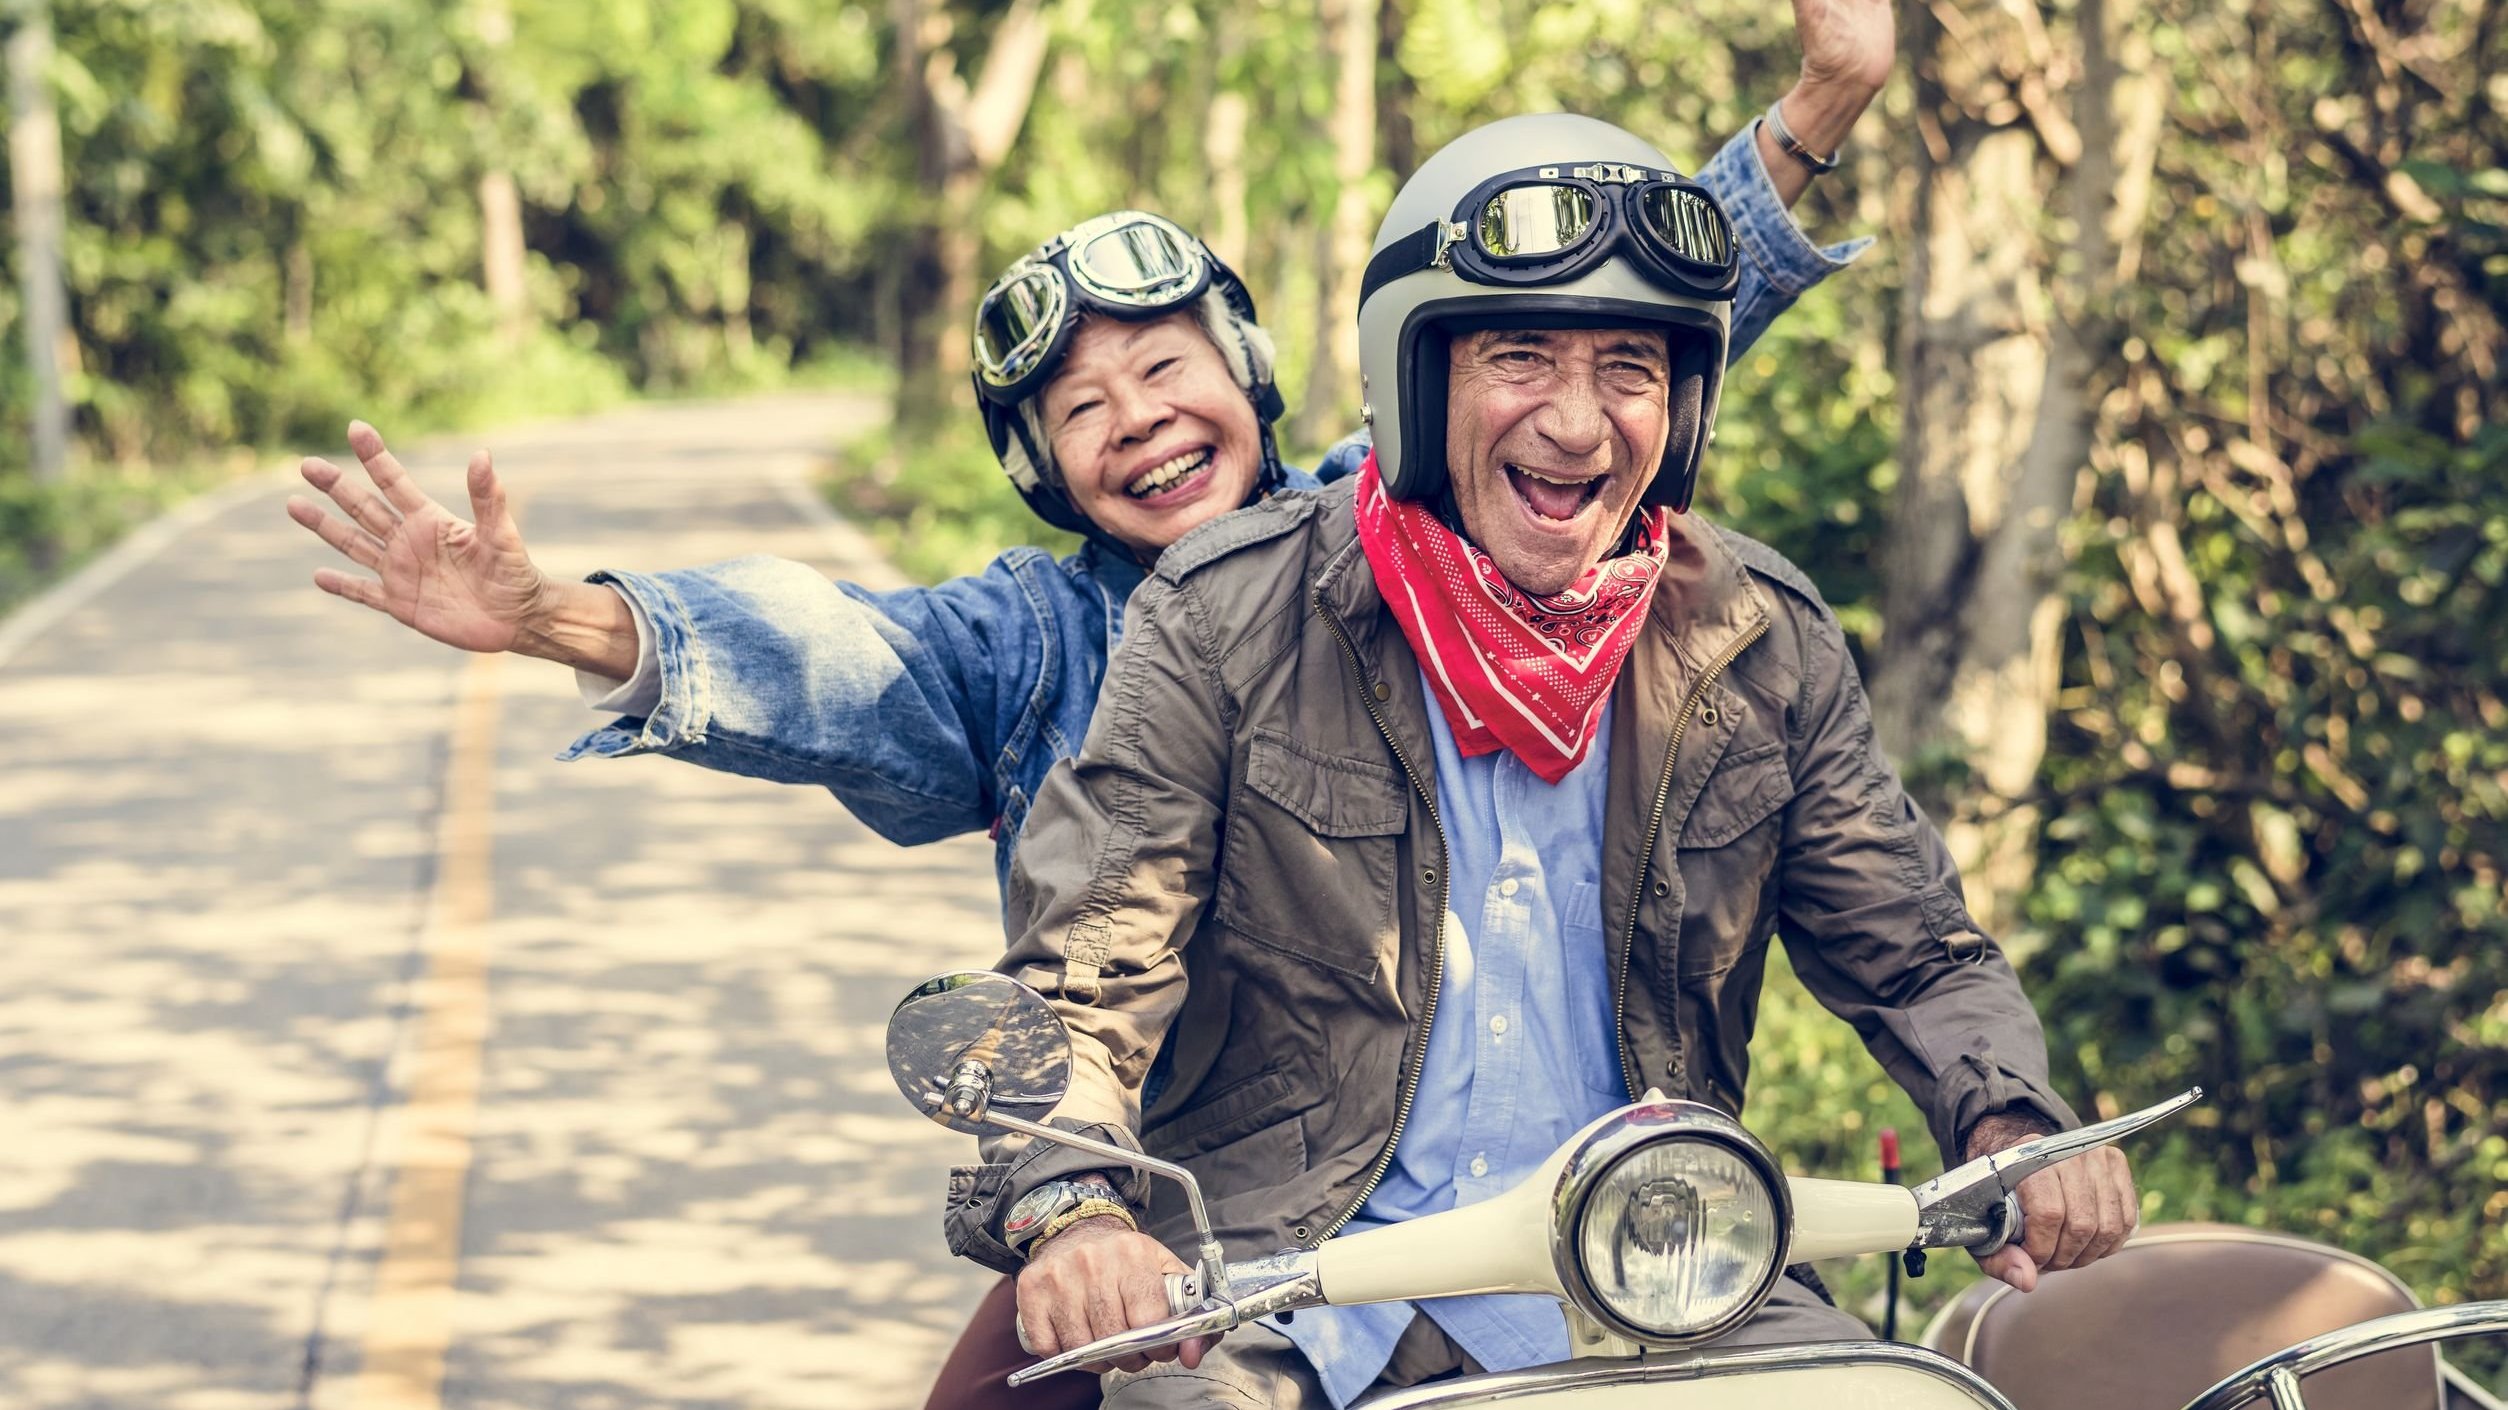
(2006, 1227)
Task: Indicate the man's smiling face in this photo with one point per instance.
(1551, 436)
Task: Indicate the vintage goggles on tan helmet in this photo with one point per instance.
(1130, 264)
(1551, 224)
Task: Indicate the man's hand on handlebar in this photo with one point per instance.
(1093, 1280)
(2073, 1214)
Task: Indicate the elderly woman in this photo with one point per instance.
(1129, 391)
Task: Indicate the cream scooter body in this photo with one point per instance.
(980, 1053)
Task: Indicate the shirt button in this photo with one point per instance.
(1498, 1025)
(1480, 1166)
(1509, 886)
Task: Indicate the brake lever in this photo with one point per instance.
(1976, 1206)
(1283, 1282)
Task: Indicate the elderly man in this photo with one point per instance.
(1429, 816)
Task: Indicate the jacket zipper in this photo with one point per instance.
(1437, 965)
(1646, 854)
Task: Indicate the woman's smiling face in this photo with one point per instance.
(1150, 431)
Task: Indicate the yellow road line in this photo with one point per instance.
(409, 1321)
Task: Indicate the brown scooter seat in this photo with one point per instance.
(2177, 1309)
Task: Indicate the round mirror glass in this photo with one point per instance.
(986, 1020)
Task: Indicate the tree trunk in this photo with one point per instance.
(1397, 145)
(1997, 419)
(502, 254)
(1324, 412)
(37, 198)
(1223, 143)
(961, 136)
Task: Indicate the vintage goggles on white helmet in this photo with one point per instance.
(1551, 224)
(1129, 263)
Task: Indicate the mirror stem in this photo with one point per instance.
(1214, 1262)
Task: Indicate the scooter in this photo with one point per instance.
(1659, 1227)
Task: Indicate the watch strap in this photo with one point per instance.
(1093, 1208)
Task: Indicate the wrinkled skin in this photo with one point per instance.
(1132, 397)
(1551, 437)
(2072, 1215)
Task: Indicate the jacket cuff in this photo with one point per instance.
(670, 665)
(979, 1195)
(1768, 232)
(1977, 1087)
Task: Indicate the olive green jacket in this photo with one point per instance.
(1245, 865)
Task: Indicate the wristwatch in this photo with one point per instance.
(1044, 1208)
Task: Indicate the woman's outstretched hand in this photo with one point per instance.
(466, 584)
(470, 583)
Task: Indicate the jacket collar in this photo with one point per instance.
(1704, 603)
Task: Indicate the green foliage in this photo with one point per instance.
(48, 530)
(2276, 790)
(940, 507)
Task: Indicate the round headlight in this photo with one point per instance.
(1675, 1235)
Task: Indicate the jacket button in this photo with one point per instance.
(1383, 691)
(1301, 1233)
(1427, 876)
(1709, 717)
(1662, 887)
(1676, 1069)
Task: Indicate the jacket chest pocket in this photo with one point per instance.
(1728, 850)
(1308, 865)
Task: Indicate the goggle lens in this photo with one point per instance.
(1016, 322)
(1132, 261)
(1534, 220)
(1688, 225)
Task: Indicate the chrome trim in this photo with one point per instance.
(1972, 1206)
(1213, 1266)
(1283, 1282)
(1696, 1366)
(2456, 1385)
(1638, 1127)
(2278, 1373)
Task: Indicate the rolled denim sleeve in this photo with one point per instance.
(1779, 261)
(887, 700)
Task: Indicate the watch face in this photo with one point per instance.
(1033, 1211)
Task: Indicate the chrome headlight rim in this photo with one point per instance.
(1634, 1129)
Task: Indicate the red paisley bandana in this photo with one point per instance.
(1510, 670)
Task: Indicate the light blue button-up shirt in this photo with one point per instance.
(1523, 1051)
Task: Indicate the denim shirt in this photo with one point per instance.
(1524, 1052)
(936, 711)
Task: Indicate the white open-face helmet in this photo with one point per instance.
(1551, 221)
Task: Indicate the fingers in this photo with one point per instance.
(488, 508)
(355, 589)
(2120, 1208)
(2042, 1215)
(384, 469)
(2080, 1225)
(1093, 1283)
(357, 502)
(2011, 1264)
(355, 544)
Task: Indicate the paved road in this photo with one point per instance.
(343, 1031)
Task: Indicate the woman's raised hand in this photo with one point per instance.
(466, 584)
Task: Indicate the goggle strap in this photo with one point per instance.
(1408, 255)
